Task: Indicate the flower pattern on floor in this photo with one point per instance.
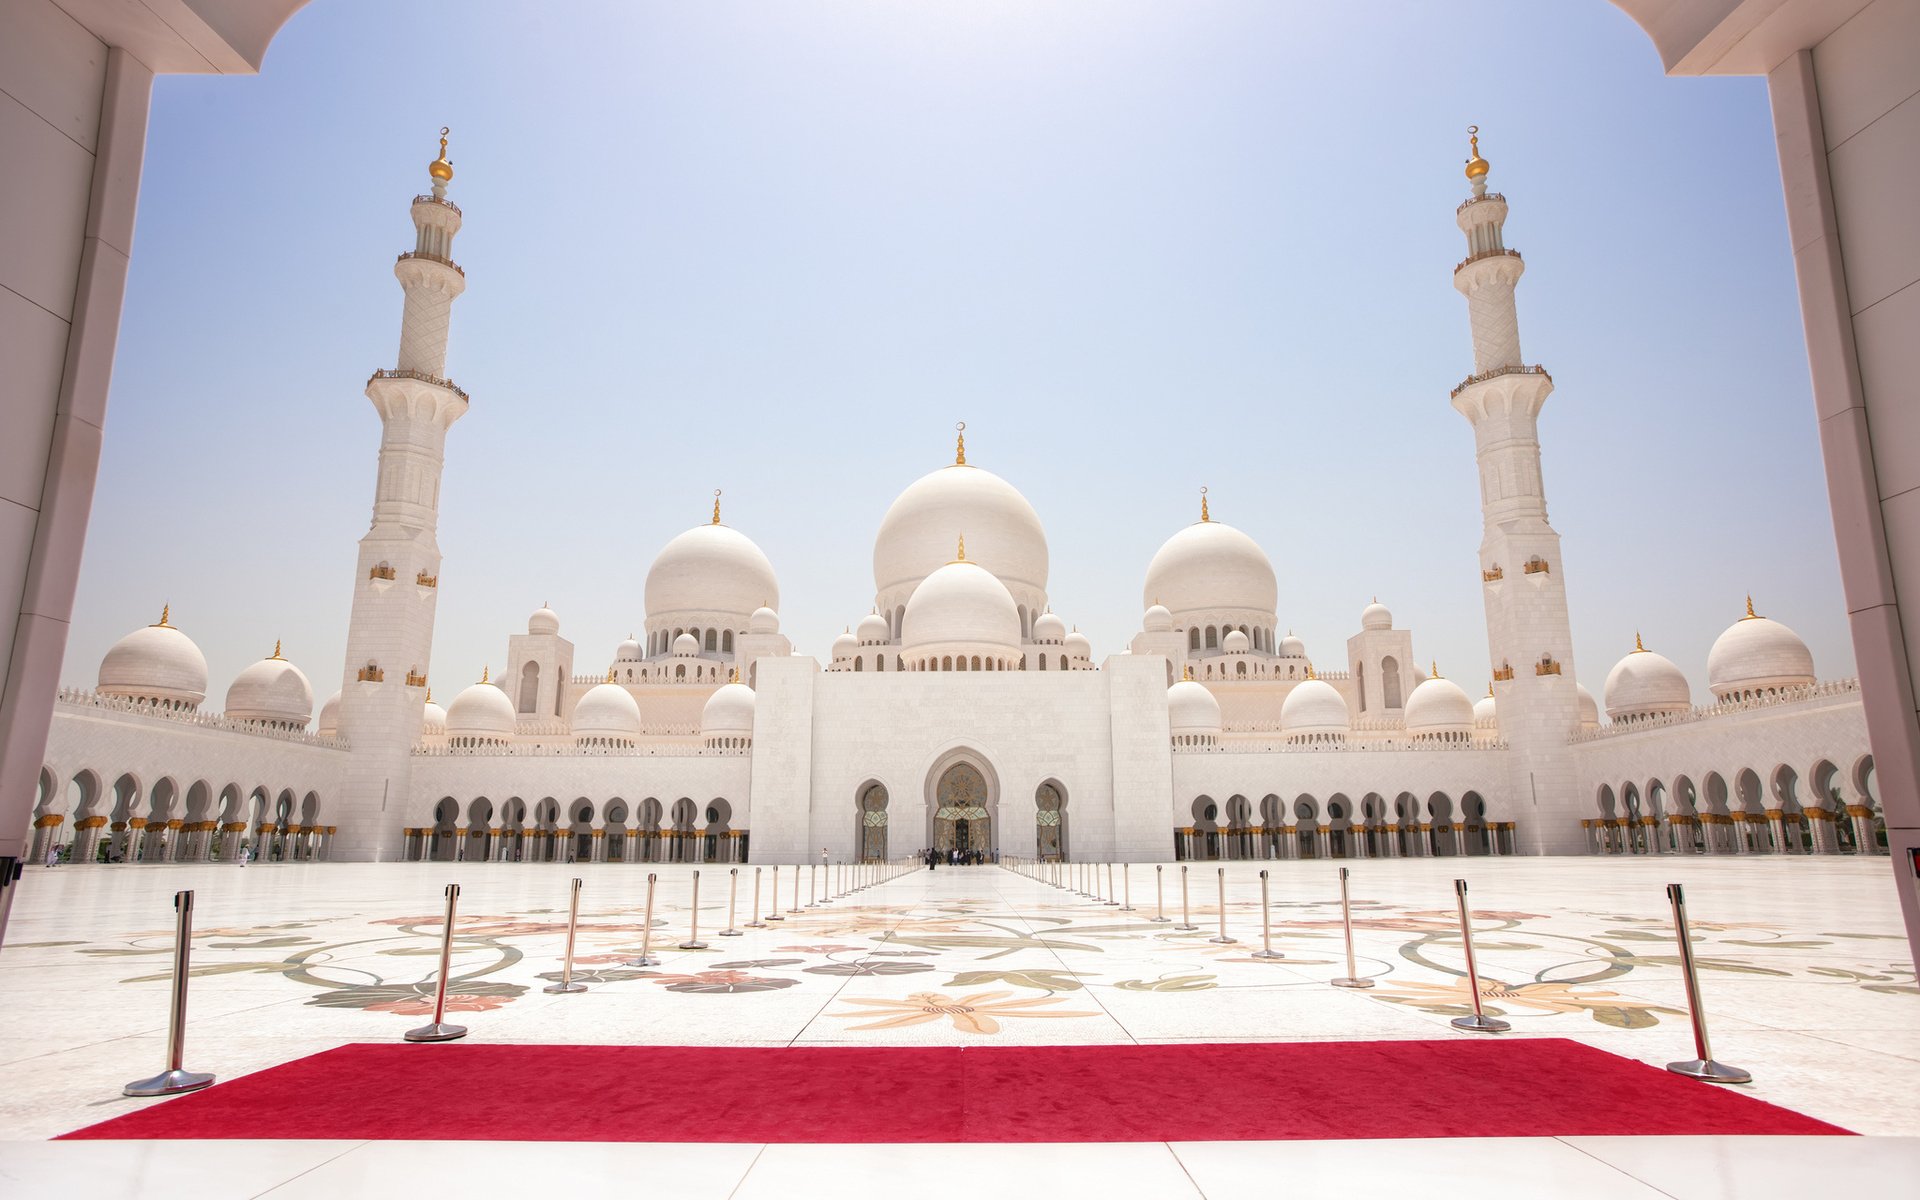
(970, 1014)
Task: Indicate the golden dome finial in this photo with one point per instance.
(1433, 669)
(960, 443)
(1489, 689)
(1187, 673)
(1204, 514)
(164, 610)
(962, 556)
(442, 168)
(1638, 646)
(486, 673)
(716, 506)
(1751, 615)
(1476, 166)
(1310, 674)
(733, 676)
(429, 695)
(609, 674)
(276, 649)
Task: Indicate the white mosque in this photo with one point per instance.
(960, 712)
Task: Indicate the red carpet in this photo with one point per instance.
(1524, 1087)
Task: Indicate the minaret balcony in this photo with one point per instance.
(1469, 202)
(447, 262)
(442, 201)
(1458, 267)
(418, 376)
(1496, 373)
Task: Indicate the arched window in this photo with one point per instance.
(1193, 638)
(1043, 662)
(726, 641)
(1063, 662)
(713, 642)
(879, 662)
(858, 662)
(680, 671)
(946, 662)
(529, 687)
(1359, 677)
(1240, 669)
(1213, 638)
(1390, 681)
(976, 662)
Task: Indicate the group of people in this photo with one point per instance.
(956, 857)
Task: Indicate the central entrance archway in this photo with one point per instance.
(960, 810)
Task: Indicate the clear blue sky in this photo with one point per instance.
(780, 248)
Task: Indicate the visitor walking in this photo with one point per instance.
(246, 854)
(53, 856)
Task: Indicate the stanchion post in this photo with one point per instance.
(754, 910)
(1352, 978)
(1159, 894)
(1111, 902)
(174, 1079)
(1266, 949)
(796, 892)
(1478, 1022)
(567, 986)
(1126, 889)
(1223, 939)
(693, 941)
(646, 958)
(773, 914)
(733, 896)
(1702, 1065)
(1186, 918)
(438, 1030)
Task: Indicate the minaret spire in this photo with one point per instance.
(1524, 585)
(395, 583)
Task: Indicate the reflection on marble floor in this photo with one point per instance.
(1804, 967)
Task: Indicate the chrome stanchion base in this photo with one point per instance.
(1186, 928)
(693, 945)
(730, 933)
(1695, 1068)
(1224, 940)
(1476, 1023)
(641, 960)
(1350, 982)
(169, 1083)
(439, 1032)
(1268, 954)
(774, 916)
(754, 925)
(564, 989)
(1160, 920)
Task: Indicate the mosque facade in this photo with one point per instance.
(961, 712)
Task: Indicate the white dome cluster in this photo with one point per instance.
(1211, 567)
(1193, 715)
(156, 665)
(607, 717)
(710, 572)
(918, 533)
(726, 723)
(272, 692)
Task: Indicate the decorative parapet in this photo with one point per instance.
(433, 258)
(381, 571)
(441, 201)
(1227, 744)
(426, 580)
(1503, 673)
(1458, 267)
(81, 698)
(1469, 202)
(372, 673)
(1491, 576)
(415, 679)
(553, 750)
(1828, 689)
(1546, 666)
(1496, 373)
(421, 376)
(1537, 566)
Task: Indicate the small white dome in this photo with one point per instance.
(329, 723)
(544, 622)
(272, 691)
(433, 718)
(1589, 708)
(1158, 619)
(763, 620)
(686, 645)
(1236, 642)
(874, 630)
(845, 645)
(1646, 684)
(1376, 616)
(1191, 709)
(710, 569)
(1210, 566)
(606, 711)
(1078, 646)
(1756, 654)
(483, 711)
(1438, 706)
(628, 651)
(729, 710)
(962, 604)
(1292, 647)
(1484, 711)
(1049, 630)
(1315, 706)
(156, 663)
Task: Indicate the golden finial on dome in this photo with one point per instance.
(1187, 673)
(716, 506)
(164, 610)
(485, 673)
(960, 444)
(1204, 514)
(733, 676)
(1433, 669)
(1489, 689)
(1638, 647)
(1751, 615)
(609, 674)
(442, 168)
(1310, 674)
(429, 695)
(962, 555)
(276, 651)
(1476, 166)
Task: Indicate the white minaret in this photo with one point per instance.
(390, 635)
(1520, 566)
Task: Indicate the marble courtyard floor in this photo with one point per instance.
(1805, 972)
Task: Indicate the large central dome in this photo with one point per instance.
(917, 535)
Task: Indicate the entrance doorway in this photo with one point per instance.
(960, 820)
